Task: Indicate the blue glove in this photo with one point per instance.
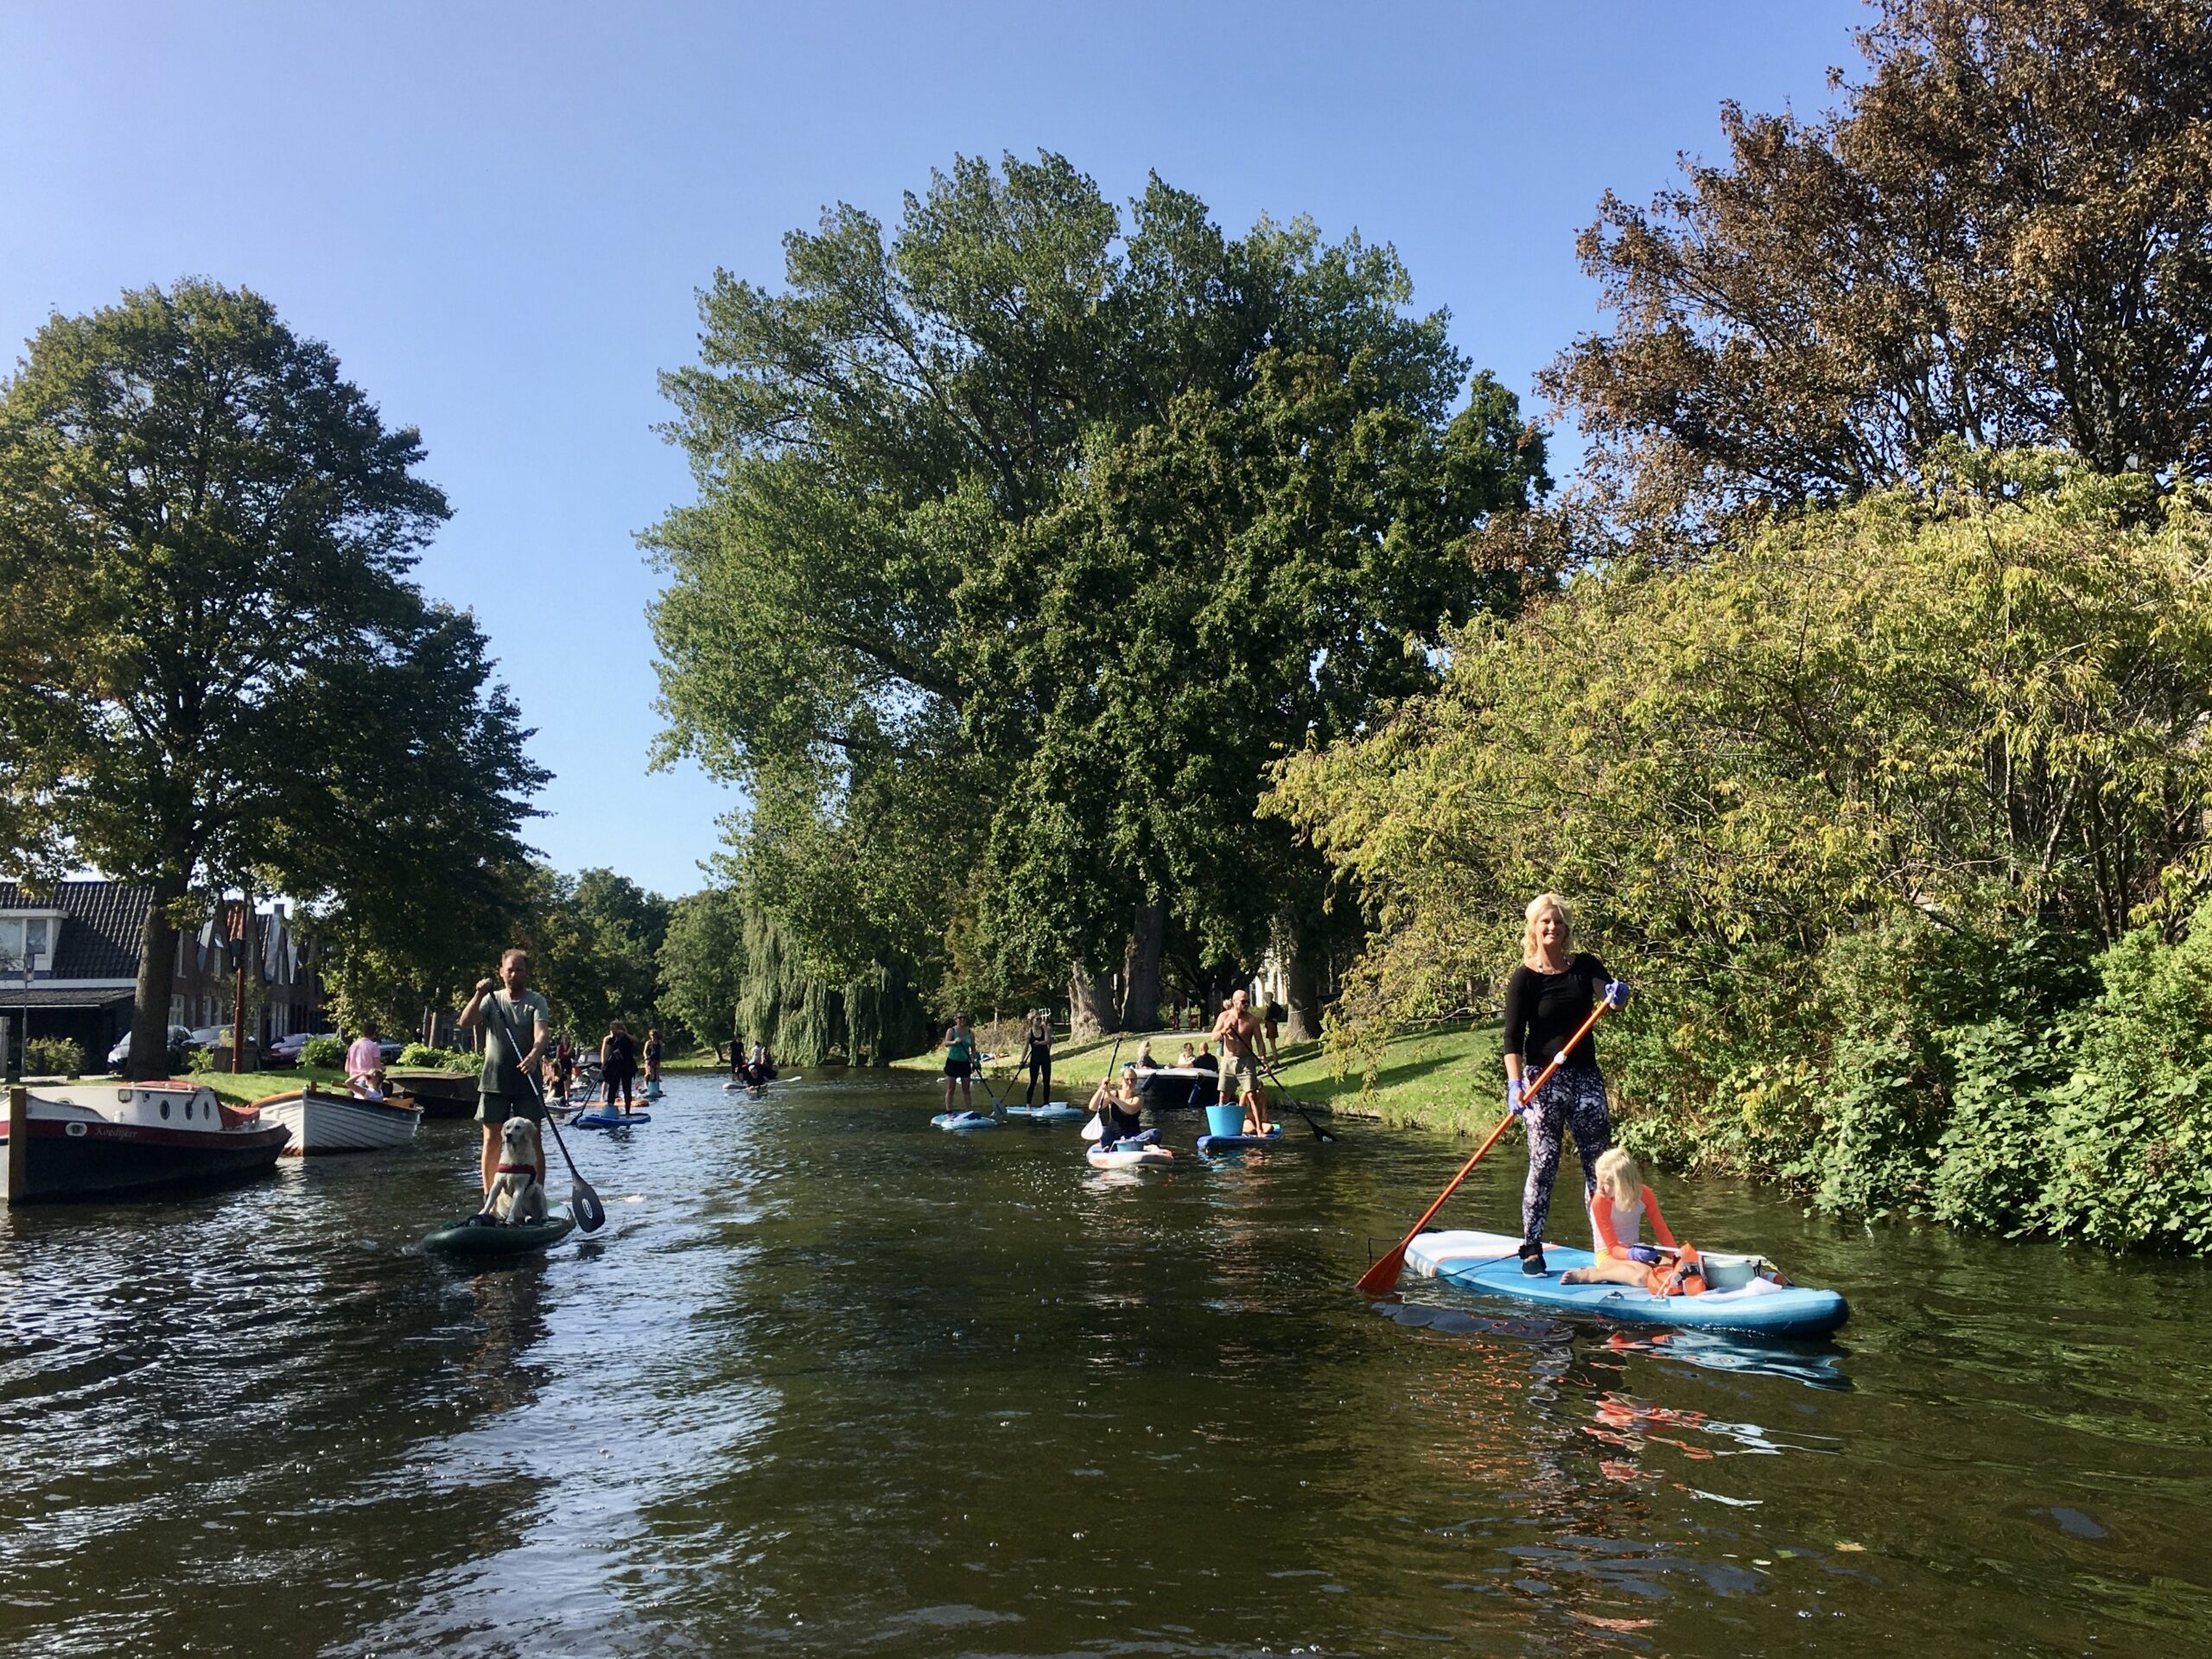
(1616, 993)
(1644, 1254)
(1514, 1104)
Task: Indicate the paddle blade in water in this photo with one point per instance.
(591, 1214)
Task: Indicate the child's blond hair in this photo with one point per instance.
(1618, 1177)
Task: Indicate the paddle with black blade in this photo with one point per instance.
(1319, 1133)
(1382, 1278)
(590, 1213)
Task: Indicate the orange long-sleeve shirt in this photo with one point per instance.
(1601, 1217)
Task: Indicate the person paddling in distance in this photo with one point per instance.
(1547, 999)
(959, 1047)
(651, 1056)
(618, 1065)
(1037, 1055)
(1237, 1031)
(508, 1008)
(1618, 1213)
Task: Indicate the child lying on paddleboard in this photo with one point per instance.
(1618, 1213)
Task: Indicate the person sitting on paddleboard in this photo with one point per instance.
(959, 1061)
(1618, 1213)
(1547, 999)
(618, 1064)
(1121, 1108)
(1037, 1054)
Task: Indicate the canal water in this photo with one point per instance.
(831, 1382)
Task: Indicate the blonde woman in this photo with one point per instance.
(1547, 999)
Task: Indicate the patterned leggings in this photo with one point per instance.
(1574, 1099)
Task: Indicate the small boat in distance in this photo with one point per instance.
(96, 1140)
(440, 1094)
(325, 1120)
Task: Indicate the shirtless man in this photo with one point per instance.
(1236, 1030)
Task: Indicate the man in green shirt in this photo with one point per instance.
(504, 1089)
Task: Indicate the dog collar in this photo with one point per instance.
(517, 1169)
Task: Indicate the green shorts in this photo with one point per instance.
(498, 1109)
(1240, 1076)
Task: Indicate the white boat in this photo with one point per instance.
(322, 1120)
(88, 1140)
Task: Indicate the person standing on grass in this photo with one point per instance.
(1237, 1031)
(517, 1021)
(1037, 1054)
(1547, 999)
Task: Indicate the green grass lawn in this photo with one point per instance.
(1445, 1077)
(241, 1087)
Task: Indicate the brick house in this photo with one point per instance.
(78, 941)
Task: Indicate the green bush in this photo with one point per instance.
(327, 1053)
(199, 1059)
(56, 1057)
(428, 1059)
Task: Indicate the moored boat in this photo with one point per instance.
(94, 1140)
(323, 1120)
(440, 1094)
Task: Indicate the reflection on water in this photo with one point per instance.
(831, 1382)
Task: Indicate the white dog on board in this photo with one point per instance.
(516, 1196)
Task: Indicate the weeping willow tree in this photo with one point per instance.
(805, 1018)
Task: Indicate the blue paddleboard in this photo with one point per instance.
(600, 1118)
(957, 1120)
(1489, 1264)
(1237, 1142)
(1056, 1112)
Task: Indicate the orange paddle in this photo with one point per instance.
(1382, 1278)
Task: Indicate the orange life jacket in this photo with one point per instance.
(1683, 1276)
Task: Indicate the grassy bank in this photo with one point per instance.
(1445, 1077)
(241, 1087)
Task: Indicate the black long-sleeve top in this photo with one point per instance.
(1543, 1010)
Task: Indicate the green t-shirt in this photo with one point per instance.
(528, 1016)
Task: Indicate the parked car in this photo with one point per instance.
(180, 1039)
(285, 1050)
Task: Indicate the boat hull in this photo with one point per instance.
(73, 1149)
(322, 1122)
(438, 1094)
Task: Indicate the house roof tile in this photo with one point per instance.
(100, 940)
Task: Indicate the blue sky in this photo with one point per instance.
(498, 217)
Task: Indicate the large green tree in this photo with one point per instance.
(702, 962)
(218, 672)
(1026, 536)
(2002, 235)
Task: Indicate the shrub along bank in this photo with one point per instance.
(1895, 815)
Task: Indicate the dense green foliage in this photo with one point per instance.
(327, 1053)
(1856, 804)
(871, 1018)
(424, 1056)
(219, 674)
(54, 1056)
(1026, 537)
(701, 964)
(2000, 236)
(594, 939)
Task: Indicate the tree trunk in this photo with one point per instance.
(1141, 969)
(1303, 987)
(149, 1015)
(1091, 1013)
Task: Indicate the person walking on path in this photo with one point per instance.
(1547, 999)
(959, 1061)
(618, 1064)
(1037, 1053)
(511, 1015)
(1237, 1031)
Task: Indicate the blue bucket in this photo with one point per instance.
(1224, 1120)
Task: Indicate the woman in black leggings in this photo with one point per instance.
(618, 1064)
(1039, 1054)
(1547, 999)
